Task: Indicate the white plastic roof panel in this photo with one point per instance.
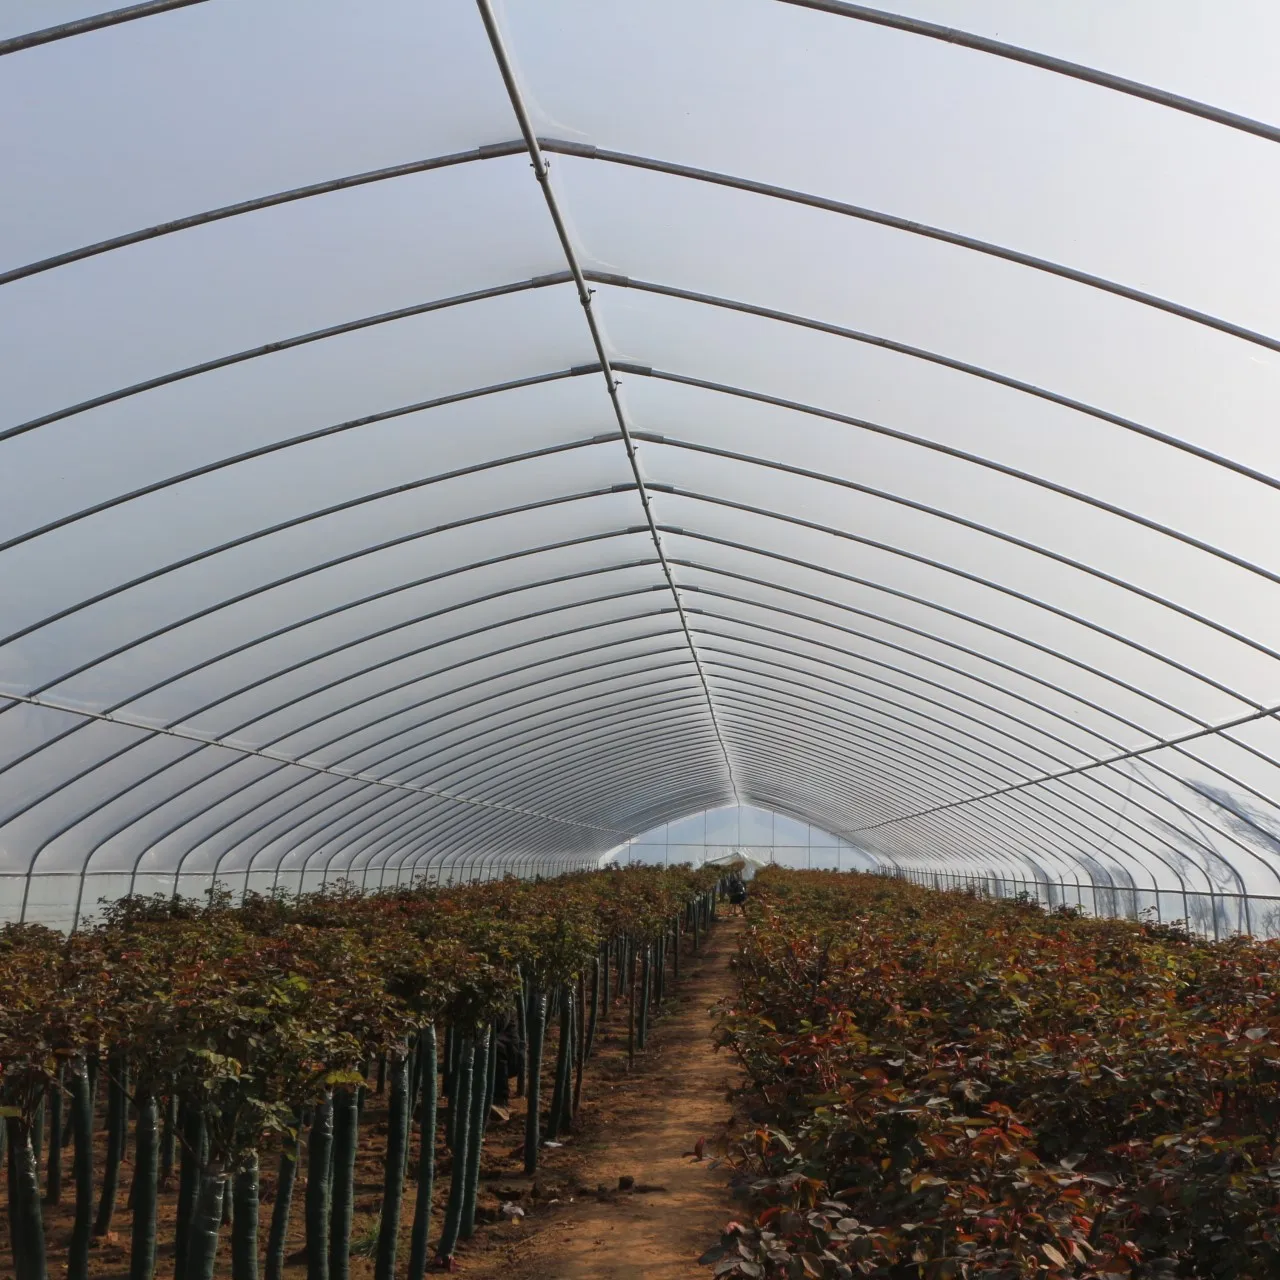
(444, 440)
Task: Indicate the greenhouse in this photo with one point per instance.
(443, 446)
(527, 523)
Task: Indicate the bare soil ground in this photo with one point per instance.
(641, 1124)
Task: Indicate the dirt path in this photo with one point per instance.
(643, 1126)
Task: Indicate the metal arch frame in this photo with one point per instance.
(1003, 253)
(335, 769)
(766, 717)
(818, 676)
(786, 405)
(491, 151)
(1045, 836)
(751, 715)
(535, 146)
(273, 348)
(138, 782)
(933, 446)
(646, 705)
(563, 731)
(666, 672)
(348, 558)
(947, 611)
(824, 478)
(879, 640)
(421, 678)
(543, 176)
(321, 513)
(537, 282)
(687, 754)
(470, 393)
(488, 763)
(405, 623)
(408, 855)
(346, 606)
(414, 860)
(436, 820)
(566, 755)
(485, 563)
(1073, 815)
(927, 356)
(151, 731)
(239, 758)
(379, 837)
(879, 681)
(50, 684)
(418, 651)
(329, 834)
(472, 746)
(655, 712)
(625, 805)
(1071, 771)
(976, 526)
(1005, 735)
(835, 626)
(960, 730)
(1043, 62)
(896, 625)
(965, 575)
(95, 22)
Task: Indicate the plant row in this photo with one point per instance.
(218, 1032)
(951, 1086)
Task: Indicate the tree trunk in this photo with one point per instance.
(592, 1018)
(393, 1174)
(285, 1182)
(631, 1006)
(319, 1202)
(481, 1077)
(194, 1156)
(427, 1156)
(564, 1045)
(244, 1220)
(26, 1223)
(82, 1171)
(604, 981)
(37, 1133)
(169, 1140)
(117, 1118)
(646, 977)
(202, 1236)
(533, 1078)
(346, 1136)
(142, 1251)
(461, 1102)
(579, 1044)
(53, 1186)
(522, 1032)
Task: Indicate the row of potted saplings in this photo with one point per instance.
(460, 1067)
